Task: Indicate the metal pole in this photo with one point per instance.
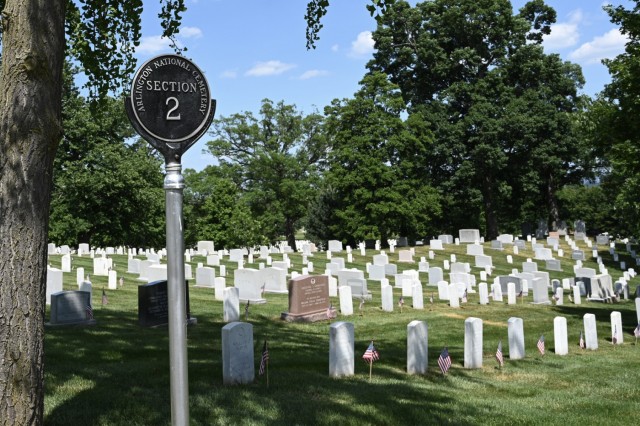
(173, 186)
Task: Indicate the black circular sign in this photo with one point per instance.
(170, 99)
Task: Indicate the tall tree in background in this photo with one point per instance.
(101, 36)
(279, 155)
(462, 66)
(215, 209)
(373, 167)
(106, 192)
(619, 138)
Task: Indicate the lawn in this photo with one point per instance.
(117, 373)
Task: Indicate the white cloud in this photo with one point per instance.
(153, 44)
(335, 48)
(565, 34)
(190, 32)
(606, 46)
(262, 69)
(229, 74)
(313, 74)
(362, 46)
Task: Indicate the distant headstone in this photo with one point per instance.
(346, 300)
(71, 308)
(54, 283)
(515, 330)
(417, 347)
(237, 354)
(231, 304)
(590, 332)
(617, 335)
(469, 235)
(308, 299)
(540, 292)
(387, 298)
(341, 349)
(483, 293)
(560, 339)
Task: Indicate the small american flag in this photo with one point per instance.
(540, 345)
(262, 289)
(89, 311)
(264, 360)
(581, 343)
(431, 299)
(614, 338)
(361, 304)
(246, 311)
(499, 356)
(520, 294)
(371, 354)
(464, 297)
(636, 332)
(401, 302)
(570, 299)
(105, 299)
(330, 311)
(444, 361)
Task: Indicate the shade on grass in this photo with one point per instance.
(117, 373)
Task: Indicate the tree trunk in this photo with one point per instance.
(30, 129)
(491, 220)
(554, 212)
(290, 231)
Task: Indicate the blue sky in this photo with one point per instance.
(255, 49)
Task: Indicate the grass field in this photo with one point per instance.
(117, 373)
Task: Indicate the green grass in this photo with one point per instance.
(117, 373)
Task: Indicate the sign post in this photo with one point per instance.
(170, 106)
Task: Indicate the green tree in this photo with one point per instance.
(279, 155)
(105, 192)
(463, 67)
(101, 35)
(215, 209)
(373, 167)
(616, 114)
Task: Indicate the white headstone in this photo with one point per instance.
(341, 349)
(483, 293)
(454, 300)
(231, 304)
(616, 328)
(590, 332)
(346, 300)
(418, 296)
(387, 298)
(237, 354)
(515, 331)
(560, 338)
(473, 343)
(219, 286)
(417, 347)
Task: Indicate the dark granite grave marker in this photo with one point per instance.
(153, 304)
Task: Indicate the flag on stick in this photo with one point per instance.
(264, 360)
(105, 299)
(636, 332)
(371, 355)
(499, 356)
(89, 311)
(246, 311)
(330, 311)
(431, 299)
(581, 343)
(361, 306)
(444, 361)
(540, 345)
(401, 303)
(614, 338)
(464, 297)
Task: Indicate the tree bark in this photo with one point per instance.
(554, 211)
(491, 219)
(30, 129)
